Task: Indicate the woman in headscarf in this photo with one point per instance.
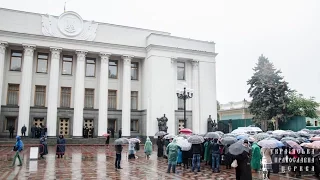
(266, 160)
(43, 148)
(61, 146)
(172, 151)
(206, 151)
(131, 150)
(148, 147)
(243, 170)
(256, 157)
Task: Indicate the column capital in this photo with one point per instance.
(54, 49)
(105, 57)
(173, 59)
(28, 49)
(127, 59)
(195, 64)
(81, 55)
(3, 46)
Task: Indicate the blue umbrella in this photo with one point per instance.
(243, 136)
(270, 143)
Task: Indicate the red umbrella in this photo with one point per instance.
(186, 131)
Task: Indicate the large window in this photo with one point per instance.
(181, 70)
(134, 70)
(113, 69)
(89, 98)
(134, 125)
(90, 67)
(180, 104)
(16, 61)
(112, 99)
(13, 94)
(40, 96)
(65, 98)
(134, 100)
(11, 121)
(42, 63)
(67, 65)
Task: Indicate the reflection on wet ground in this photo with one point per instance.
(96, 163)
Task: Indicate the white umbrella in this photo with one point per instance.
(184, 144)
(169, 136)
(195, 139)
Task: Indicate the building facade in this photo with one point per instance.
(64, 72)
(235, 110)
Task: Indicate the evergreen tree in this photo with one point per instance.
(269, 93)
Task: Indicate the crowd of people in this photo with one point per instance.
(214, 154)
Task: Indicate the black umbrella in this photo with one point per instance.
(238, 148)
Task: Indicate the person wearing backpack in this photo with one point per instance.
(18, 147)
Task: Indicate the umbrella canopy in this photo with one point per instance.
(195, 139)
(315, 145)
(276, 136)
(134, 140)
(184, 144)
(105, 134)
(301, 139)
(220, 133)
(270, 143)
(293, 144)
(243, 136)
(160, 133)
(212, 135)
(289, 139)
(292, 134)
(121, 141)
(169, 136)
(280, 132)
(307, 145)
(230, 135)
(186, 136)
(269, 132)
(228, 140)
(316, 138)
(303, 134)
(261, 136)
(238, 148)
(251, 139)
(185, 130)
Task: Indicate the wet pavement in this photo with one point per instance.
(95, 162)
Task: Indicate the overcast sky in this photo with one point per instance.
(286, 31)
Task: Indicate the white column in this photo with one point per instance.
(103, 93)
(126, 95)
(195, 98)
(3, 46)
(25, 87)
(53, 91)
(79, 94)
(174, 122)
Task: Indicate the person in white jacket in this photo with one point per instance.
(266, 162)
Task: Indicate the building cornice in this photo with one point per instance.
(181, 50)
(177, 37)
(70, 41)
(101, 23)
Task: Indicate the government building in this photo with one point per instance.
(65, 73)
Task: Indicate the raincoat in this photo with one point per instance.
(179, 156)
(206, 150)
(172, 151)
(148, 147)
(256, 157)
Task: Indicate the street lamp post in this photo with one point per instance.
(185, 94)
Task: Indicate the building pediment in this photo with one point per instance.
(69, 25)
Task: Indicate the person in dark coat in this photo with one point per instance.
(228, 157)
(43, 147)
(243, 170)
(61, 146)
(120, 133)
(11, 130)
(196, 152)
(107, 140)
(45, 130)
(185, 158)
(23, 130)
(33, 131)
(160, 146)
(118, 149)
(42, 131)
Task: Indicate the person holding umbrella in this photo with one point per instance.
(215, 156)
(242, 154)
